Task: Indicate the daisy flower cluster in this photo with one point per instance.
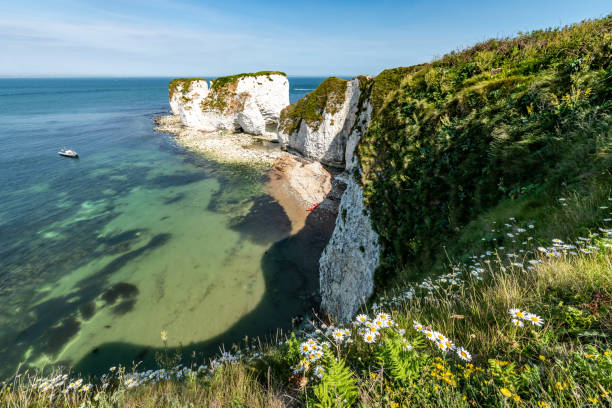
(61, 385)
(524, 256)
(518, 316)
(442, 342)
(370, 329)
(312, 351)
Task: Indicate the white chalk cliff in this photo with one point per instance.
(250, 103)
(318, 125)
(326, 125)
(348, 263)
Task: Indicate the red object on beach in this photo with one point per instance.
(313, 207)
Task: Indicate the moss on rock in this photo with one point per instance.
(221, 82)
(183, 83)
(328, 97)
(223, 97)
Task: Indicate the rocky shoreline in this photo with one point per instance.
(222, 146)
(294, 182)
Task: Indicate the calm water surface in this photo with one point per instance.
(99, 254)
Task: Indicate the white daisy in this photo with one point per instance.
(338, 334)
(535, 320)
(361, 318)
(517, 313)
(319, 371)
(464, 354)
(429, 334)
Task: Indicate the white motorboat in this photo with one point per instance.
(68, 153)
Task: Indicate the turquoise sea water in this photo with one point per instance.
(99, 254)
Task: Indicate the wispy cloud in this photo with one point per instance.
(185, 37)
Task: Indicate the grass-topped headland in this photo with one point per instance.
(220, 82)
(506, 120)
(222, 96)
(328, 97)
(181, 84)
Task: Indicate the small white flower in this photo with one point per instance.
(361, 318)
(370, 337)
(534, 319)
(338, 335)
(464, 354)
(517, 313)
(319, 371)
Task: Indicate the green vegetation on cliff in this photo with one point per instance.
(183, 83)
(220, 82)
(328, 97)
(513, 120)
(223, 97)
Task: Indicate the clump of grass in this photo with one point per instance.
(183, 83)
(221, 82)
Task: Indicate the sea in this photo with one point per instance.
(100, 254)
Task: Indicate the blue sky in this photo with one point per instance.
(187, 37)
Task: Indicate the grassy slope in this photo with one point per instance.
(543, 154)
(519, 119)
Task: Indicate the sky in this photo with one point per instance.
(175, 38)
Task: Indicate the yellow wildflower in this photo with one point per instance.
(593, 400)
(516, 398)
(543, 404)
(506, 392)
(541, 357)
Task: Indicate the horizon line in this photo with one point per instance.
(52, 76)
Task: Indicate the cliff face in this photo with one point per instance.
(249, 103)
(347, 265)
(318, 125)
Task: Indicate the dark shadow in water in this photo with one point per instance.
(56, 337)
(121, 289)
(124, 307)
(290, 269)
(87, 310)
(174, 199)
(265, 223)
(178, 179)
(51, 330)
